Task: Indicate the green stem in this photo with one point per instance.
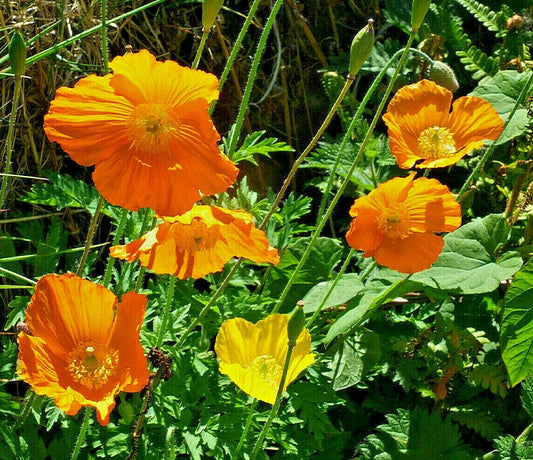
(142, 270)
(235, 133)
(90, 235)
(346, 181)
(351, 127)
(304, 154)
(166, 312)
(103, 15)
(235, 50)
(25, 411)
(10, 139)
(200, 50)
(525, 433)
(116, 239)
(330, 290)
(209, 304)
(82, 433)
(275, 407)
(490, 150)
(16, 275)
(246, 429)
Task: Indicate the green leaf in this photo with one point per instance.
(509, 449)
(502, 92)
(254, 145)
(414, 436)
(346, 289)
(527, 396)
(469, 262)
(375, 293)
(517, 326)
(354, 360)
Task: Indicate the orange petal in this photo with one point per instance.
(472, 120)
(68, 302)
(412, 254)
(88, 121)
(432, 208)
(413, 109)
(142, 79)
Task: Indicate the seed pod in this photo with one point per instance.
(17, 54)
(210, 9)
(443, 75)
(420, 9)
(362, 45)
(296, 324)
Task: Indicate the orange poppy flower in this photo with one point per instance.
(147, 131)
(199, 242)
(83, 347)
(253, 355)
(423, 132)
(396, 222)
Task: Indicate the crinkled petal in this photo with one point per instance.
(412, 254)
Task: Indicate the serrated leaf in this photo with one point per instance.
(346, 289)
(254, 145)
(478, 421)
(527, 396)
(502, 91)
(510, 449)
(516, 337)
(469, 262)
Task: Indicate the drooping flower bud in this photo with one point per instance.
(210, 9)
(443, 75)
(362, 45)
(296, 324)
(515, 22)
(17, 54)
(420, 9)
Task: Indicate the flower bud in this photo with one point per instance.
(17, 54)
(443, 75)
(362, 45)
(420, 9)
(210, 9)
(296, 324)
(515, 22)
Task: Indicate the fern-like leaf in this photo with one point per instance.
(494, 21)
(490, 377)
(478, 421)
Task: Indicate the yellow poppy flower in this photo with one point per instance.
(253, 355)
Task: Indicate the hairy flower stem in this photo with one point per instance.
(81, 434)
(304, 154)
(236, 130)
(351, 127)
(488, 153)
(26, 409)
(166, 312)
(251, 412)
(116, 239)
(103, 19)
(235, 50)
(10, 138)
(90, 235)
(200, 50)
(208, 305)
(346, 181)
(330, 290)
(275, 407)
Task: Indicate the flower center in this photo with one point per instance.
(268, 369)
(436, 142)
(151, 127)
(394, 221)
(92, 364)
(197, 236)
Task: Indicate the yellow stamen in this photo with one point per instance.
(436, 142)
(268, 369)
(151, 127)
(91, 364)
(197, 236)
(394, 221)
